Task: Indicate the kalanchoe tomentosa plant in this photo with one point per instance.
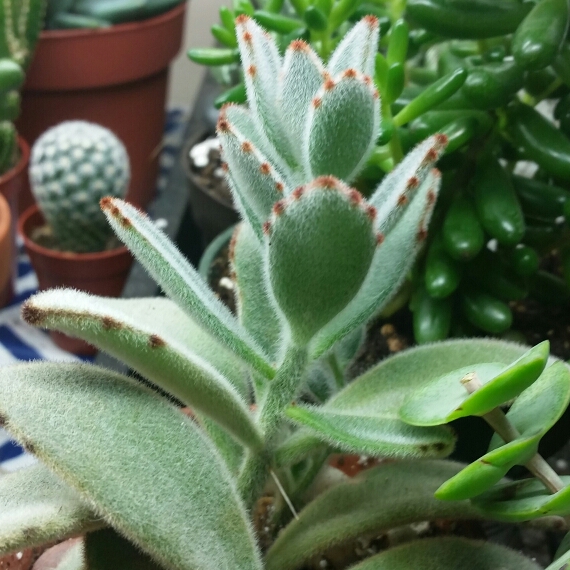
(313, 262)
(72, 166)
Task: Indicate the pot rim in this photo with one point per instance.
(115, 29)
(62, 255)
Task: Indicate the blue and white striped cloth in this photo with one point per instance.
(19, 342)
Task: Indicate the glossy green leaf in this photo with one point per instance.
(149, 336)
(181, 281)
(448, 553)
(533, 413)
(446, 398)
(101, 432)
(36, 507)
(382, 498)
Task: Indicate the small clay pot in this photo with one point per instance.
(116, 77)
(6, 244)
(102, 273)
(11, 183)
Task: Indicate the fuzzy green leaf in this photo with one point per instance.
(258, 184)
(256, 310)
(380, 435)
(101, 431)
(358, 49)
(446, 398)
(534, 412)
(448, 553)
(181, 281)
(138, 332)
(342, 127)
(382, 498)
(36, 507)
(385, 387)
(320, 245)
(261, 63)
(392, 260)
(398, 188)
(300, 79)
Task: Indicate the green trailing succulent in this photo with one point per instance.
(72, 167)
(152, 488)
(485, 74)
(20, 25)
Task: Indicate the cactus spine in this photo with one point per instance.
(72, 167)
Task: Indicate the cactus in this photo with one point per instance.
(313, 261)
(72, 166)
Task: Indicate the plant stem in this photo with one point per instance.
(498, 420)
(335, 369)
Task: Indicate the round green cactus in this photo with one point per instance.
(73, 165)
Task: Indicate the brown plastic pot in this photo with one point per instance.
(11, 184)
(6, 245)
(101, 273)
(116, 77)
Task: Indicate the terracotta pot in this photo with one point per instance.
(116, 77)
(6, 244)
(11, 184)
(101, 273)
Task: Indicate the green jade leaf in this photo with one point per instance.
(446, 398)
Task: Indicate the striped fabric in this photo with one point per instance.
(20, 342)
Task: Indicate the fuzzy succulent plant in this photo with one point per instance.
(268, 388)
(72, 167)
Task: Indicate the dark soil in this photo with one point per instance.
(43, 236)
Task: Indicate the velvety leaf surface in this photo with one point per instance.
(101, 432)
(384, 388)
(114, 326)
(37, 507)
(385, 497)
(181, 281)
(448, 554)
(363, 431)
(392, 260)
(320, 245)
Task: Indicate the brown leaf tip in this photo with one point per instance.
(33, 315)
(28, 446)
(431, 155)
(380, 239)
(3, 420)
(279, 186)
(431, 197)
(266, 228)
(278, 208)
(371, 212)
(355, 197)
(441, 139)
(106, 203)
(402, 200)
(246, 146)
(265, 169)
(154, 341)
(421, 235)
(252, 70)
(299, 45)
(327, 182)
(329, 84)
(242, 19)
(350, 73)
(317, 102)
(371, 20)
(298, 192)
(223, 125)
(233, 243)
(413, 183)
(224, 166)
(110, 323)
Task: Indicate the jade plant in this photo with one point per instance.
(102, 13)
(494, 77)
(72, 167)
(20, 25)
(237, 485)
